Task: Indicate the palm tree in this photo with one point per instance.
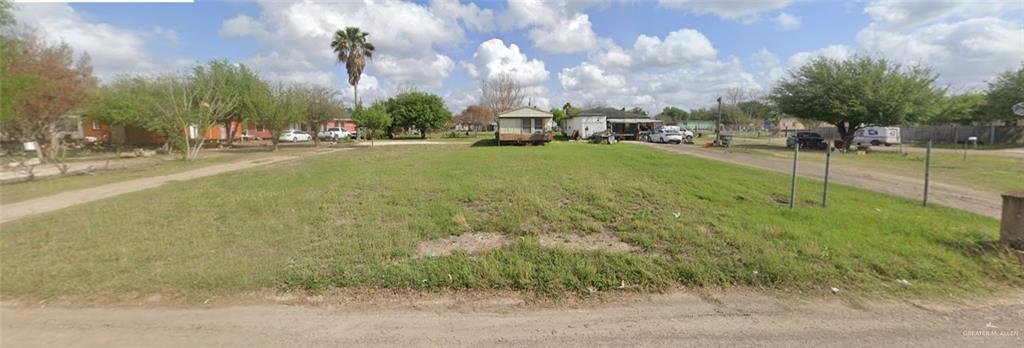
(352, 48)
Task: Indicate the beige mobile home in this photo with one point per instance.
(525, 125)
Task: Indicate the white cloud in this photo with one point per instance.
(575, 35)
(114, 50)
(787, 21)
(904, 13)
(298, 34)
(493, 58)
(679, 47)
(728, 9)
(837, 52)
(964, 53)
(692, 86)
(555, 26)
(410, 70)
(588, 76)
(471, 15)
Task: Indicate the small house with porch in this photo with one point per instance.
(525, 125)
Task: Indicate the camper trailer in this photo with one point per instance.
(875, 136)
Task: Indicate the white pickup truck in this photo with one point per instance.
(333, 134)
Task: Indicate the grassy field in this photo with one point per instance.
(980, 171)
(17, 192)
(354, 219)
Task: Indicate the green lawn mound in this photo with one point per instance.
(559, 218)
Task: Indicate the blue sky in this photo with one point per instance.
(619, 53)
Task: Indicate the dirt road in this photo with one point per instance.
(14, 211)
(980, 202)
(677, 319)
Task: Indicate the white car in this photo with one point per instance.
(294, 136)
(334, 134)
(670, 134)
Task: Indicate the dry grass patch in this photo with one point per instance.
(587, 242)
(470, 243)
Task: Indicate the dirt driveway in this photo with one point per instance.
(671, 320)
(980, 202)
(14, 211)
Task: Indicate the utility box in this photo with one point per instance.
(1012, 229)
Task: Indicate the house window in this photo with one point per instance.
(95, 125)
(259, 128)
(527, 125)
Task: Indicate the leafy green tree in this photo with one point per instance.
(235, 81)
(322, 105)
(278, 106)
(1003, 93)
(190, 105)
(132, 101)
(638, 110)
(372, 120)
(351, 47)
(856, 92)
(420, 110)
(42, 83)
(961, 109)
(672, 114)
(6, 15)
(558, 115)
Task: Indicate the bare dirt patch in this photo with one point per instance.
(587, 242)
(470, 243)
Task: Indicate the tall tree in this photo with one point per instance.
(558, 115)
(1006, 91)
(673, 114)
(420, 110)
(190, 105)
(132, 101)
(372, 120)
(237, 79)
(47, 84)
(322, 105)
(961, 109)
(856, 92)
(278, 107)
(476, 116)
(638, 110)
(352, 48)
(501, 93)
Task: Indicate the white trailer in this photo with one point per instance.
(875, 136)
(585, 126)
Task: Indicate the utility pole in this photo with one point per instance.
(792, 183)
(927, 171)
(718, 127)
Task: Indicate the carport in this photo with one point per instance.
(632, 128)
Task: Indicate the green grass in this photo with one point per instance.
(979, 171)
(45, 186)
(355, 218)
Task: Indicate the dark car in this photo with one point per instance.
(807, 140)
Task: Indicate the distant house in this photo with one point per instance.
(790, 123)
(623, 124)
(525, 125)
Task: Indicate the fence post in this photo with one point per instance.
(792, 183)
(927, 170)
(828, 161)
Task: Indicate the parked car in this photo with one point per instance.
(333, 134)
(807, 140)
(294, 136)
(666, 135)
(875, 136)
(687, 134)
